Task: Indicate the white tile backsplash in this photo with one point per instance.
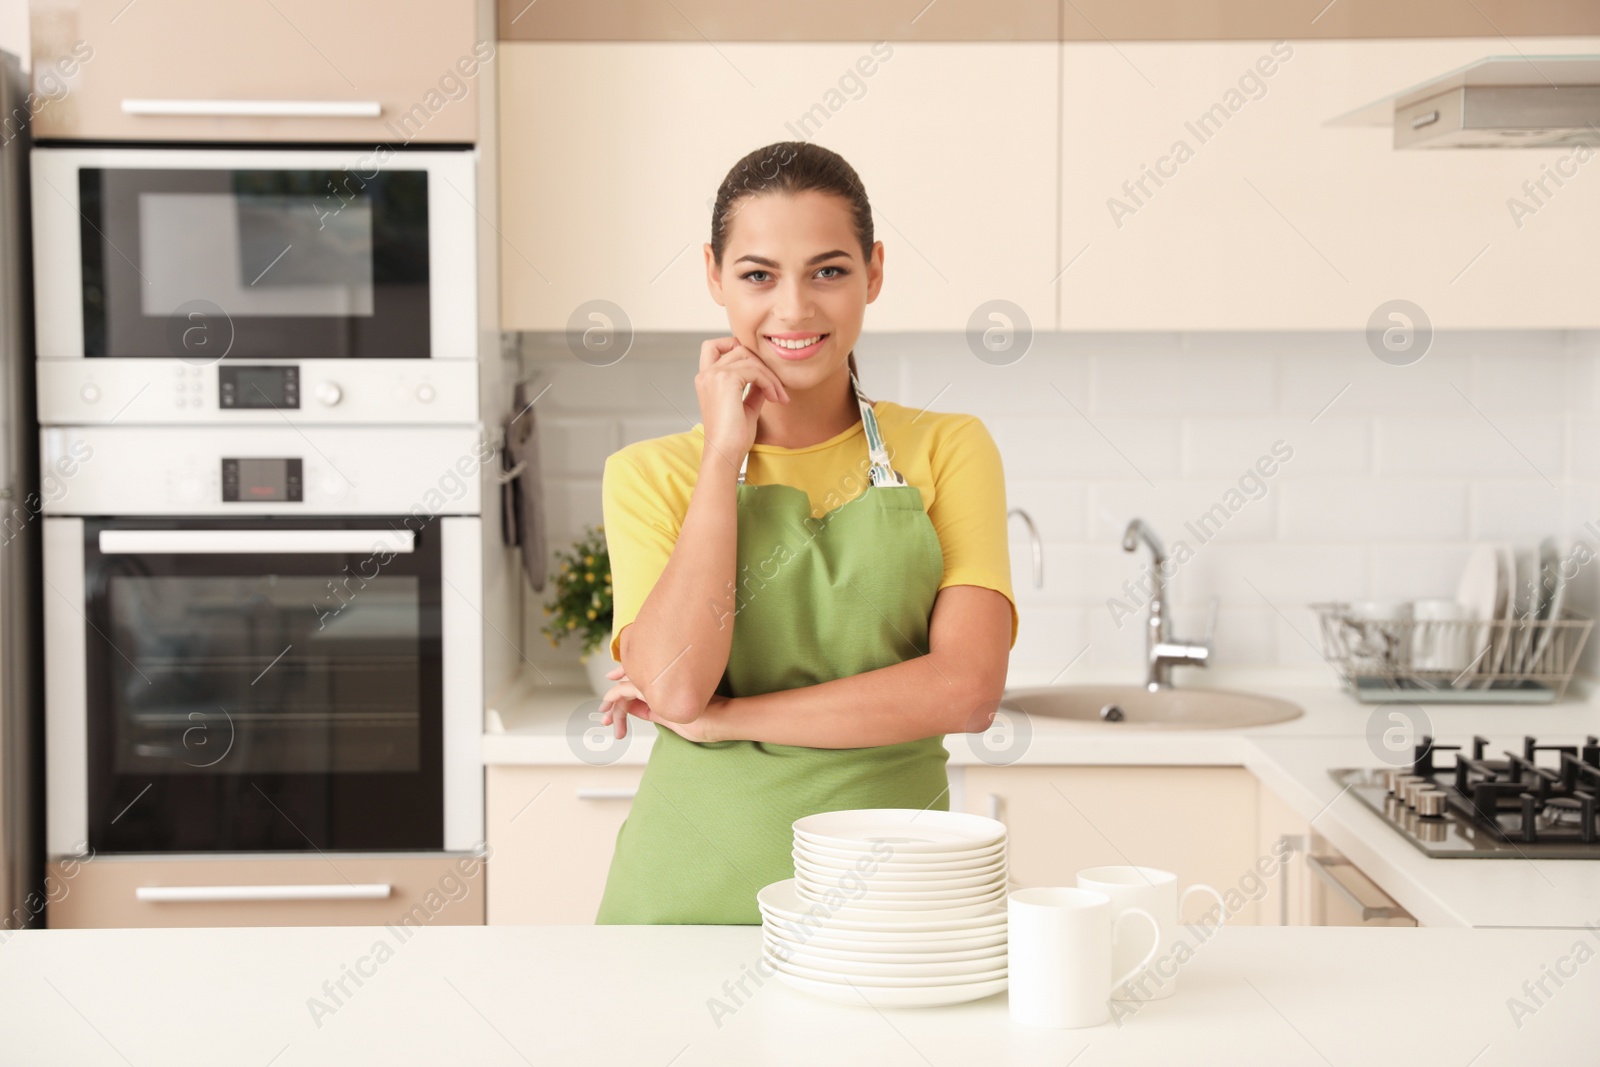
(1492, 435)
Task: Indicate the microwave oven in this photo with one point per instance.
(232, 285)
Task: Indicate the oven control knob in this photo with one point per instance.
(425, 393)
(90, 392)
(189, 488)
(328, 394)
(1431, 803)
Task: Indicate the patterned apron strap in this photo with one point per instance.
(882, 472)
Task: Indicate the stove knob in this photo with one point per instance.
(90, 393)
(1411, 789)
(1398, 783)
(328, 394)
(1431, 803)
(425, 393)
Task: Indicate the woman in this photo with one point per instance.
(802, 638)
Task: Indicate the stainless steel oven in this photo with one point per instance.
(264, 640)
(168, 279)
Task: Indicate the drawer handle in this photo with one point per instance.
(309, 109)
(253, 542)
(173, 894)
(607, 794)
(1320, 867)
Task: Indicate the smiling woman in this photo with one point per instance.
(795, 658)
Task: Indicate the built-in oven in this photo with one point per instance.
(264, 640)
(180, 284)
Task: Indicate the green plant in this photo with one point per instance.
(583, 593)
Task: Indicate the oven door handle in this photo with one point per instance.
(253, 542)
(1321, 866)
(169, 894)
(275, 109)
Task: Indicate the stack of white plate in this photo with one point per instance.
(895, 907)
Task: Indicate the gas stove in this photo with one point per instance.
(1539, 804)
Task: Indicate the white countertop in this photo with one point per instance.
(642, 995)
(529, 724)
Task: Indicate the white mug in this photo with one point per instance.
(1058, 946)
(1155, 892)
(1441, 639)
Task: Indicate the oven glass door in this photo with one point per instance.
(263, 685)
(201, 263)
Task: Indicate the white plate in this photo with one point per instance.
(969, 894)
(876, 981)
(1479, 592)
(915, 830)
(1505, 604)
(886, 941)
(896, 882)
(1556, 595)
(944, 906)
(781, 900)
(1525, 608)
(954, 970)
(825, 855)
(943, 939)
(924, 997)
(906, 955)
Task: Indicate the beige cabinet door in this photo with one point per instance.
(1198, 822)
(260, 70)
(612, 155)
(551, 833)
(1203, 190)
(332, 889)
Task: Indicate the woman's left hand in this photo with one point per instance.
(624, 699)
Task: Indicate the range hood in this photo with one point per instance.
(1496, 102)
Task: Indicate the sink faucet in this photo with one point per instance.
(1162, 652)
(1038, 551)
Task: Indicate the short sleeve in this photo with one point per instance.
(969, 511)
(641, 529)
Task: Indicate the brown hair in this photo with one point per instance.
(792, 167)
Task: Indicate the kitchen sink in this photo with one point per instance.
(1132, 707)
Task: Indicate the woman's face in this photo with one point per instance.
(791, 276)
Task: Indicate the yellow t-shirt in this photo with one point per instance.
(950, 457)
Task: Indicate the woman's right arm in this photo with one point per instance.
(676, 649)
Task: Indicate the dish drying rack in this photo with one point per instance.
(1433, 661)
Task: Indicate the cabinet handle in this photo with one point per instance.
(1320, 865)
(1296, 843)
(994, 807)
(274, 109)
(172, 894)
(607, 794)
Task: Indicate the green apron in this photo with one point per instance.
(818, 599)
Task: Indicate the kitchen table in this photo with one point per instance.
(689, 995)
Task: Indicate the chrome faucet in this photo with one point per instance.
(1162, 652)
(1038, 550)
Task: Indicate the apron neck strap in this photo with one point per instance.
(882, 472)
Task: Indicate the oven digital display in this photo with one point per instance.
(258, 386)
(265, 480)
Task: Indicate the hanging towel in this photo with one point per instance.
(522, 491)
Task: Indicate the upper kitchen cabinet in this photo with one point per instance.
(259, 70)
(611, 155)
(1203, 188)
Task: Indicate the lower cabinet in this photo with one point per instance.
(1318, 886)
(551, 832)
(1198, 822)
(438, 889)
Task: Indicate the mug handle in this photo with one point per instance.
(1155, 942)
(1201, 887)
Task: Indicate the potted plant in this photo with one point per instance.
(582, 605)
